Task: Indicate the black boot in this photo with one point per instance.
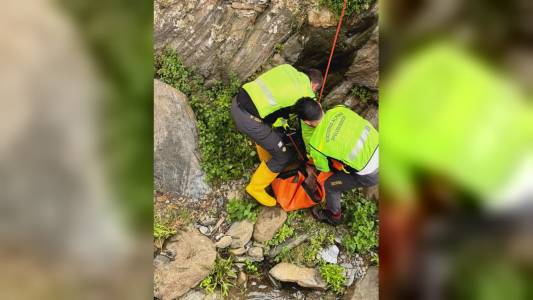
(326, 216)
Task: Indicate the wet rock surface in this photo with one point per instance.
(193, 256)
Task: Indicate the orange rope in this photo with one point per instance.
(332, 50)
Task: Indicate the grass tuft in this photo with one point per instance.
(222, 276)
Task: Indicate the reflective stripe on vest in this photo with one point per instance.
(372, 165)
(266, 91)
(360, 142)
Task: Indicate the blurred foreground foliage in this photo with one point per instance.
(119, 38)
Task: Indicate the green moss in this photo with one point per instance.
(352, 7)
(362, 94)
(278, 48)
(226, 153)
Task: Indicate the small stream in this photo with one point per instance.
(260, 287)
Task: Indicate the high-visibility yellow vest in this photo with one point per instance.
(345, 136)
(278, 88)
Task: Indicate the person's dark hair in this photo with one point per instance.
(308, 109)
(315, 76)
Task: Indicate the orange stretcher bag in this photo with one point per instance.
(292, 194)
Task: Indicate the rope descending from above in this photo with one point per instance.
(332, 50)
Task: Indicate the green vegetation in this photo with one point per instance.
(221, 276)
(171, 70)
(283, 234)
(285, 255)
(363, 94)
(278, 48)
(321, 235)
(352, 7)
(239, 210)
(168, 222)
(163, 231)
(361, 217)
(319, 240)
(250, 267)
(226, 153)
(294, 216)
(334, 276)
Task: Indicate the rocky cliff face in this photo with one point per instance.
(245, 37)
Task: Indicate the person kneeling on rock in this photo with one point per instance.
(275, 94)
(347, 145)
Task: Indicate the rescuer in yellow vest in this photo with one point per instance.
(344, 143)
(275, 94)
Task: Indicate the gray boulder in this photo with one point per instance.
(194, 257)
(176, 160)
